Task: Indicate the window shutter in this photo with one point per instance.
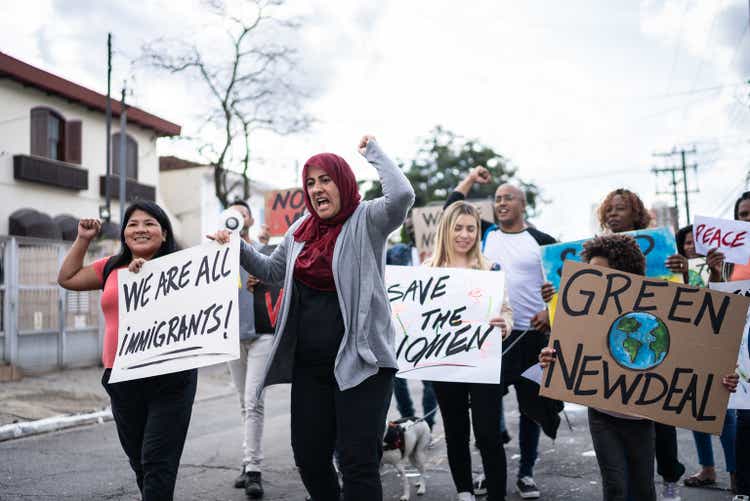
(39, 121)
(132, 159)
(73, 141)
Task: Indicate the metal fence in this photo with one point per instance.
(43, 326)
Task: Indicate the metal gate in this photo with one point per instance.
(44, 327)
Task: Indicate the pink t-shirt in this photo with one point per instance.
(109, 304)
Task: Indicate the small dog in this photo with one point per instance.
(407, 438)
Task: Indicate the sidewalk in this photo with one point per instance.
(38, 404)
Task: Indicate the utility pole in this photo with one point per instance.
(673, 171)
(106, 214)
(123, 155)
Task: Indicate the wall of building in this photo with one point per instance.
(16, 102)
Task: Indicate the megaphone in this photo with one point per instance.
(231, 220)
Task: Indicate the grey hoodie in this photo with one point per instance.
(358, 272)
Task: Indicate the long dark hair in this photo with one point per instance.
(680, 237)
(124, 257)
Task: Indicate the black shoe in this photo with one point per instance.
(505, 437)
(253, 485)
(239, 482)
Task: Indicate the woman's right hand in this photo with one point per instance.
(252, 283)
(480, 174)
(547, 356)
(88, 228)
(221, 237)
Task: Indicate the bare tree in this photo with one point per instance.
(252, 81)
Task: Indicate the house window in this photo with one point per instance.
(53, 137)
(131, 156)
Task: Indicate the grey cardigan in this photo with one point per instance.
(358, 272)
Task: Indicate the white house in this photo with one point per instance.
(53, 152)
(188, 192)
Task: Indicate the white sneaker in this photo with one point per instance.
(465, 496)
(527, 488)
(480, 487)
(670, 492)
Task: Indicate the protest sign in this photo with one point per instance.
(426, 219)
(179, 312)
(441, 318)
(657, 245)
(267, 300)
(741, 398)
(698, 272)
(283, 207)
(643, 347)
(729, 236)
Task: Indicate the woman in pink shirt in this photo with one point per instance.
(152, 414)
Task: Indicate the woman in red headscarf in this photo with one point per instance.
(334, 338)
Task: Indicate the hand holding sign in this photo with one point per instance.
(728, 236)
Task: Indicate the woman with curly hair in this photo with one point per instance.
(623, 210)
(624, 444)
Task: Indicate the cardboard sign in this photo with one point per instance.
(179, 312)
(426, 220)
(267, 300)
(741, 398)
(731, 237)
(698, 272)
(644, 347)
(656, 244)
(441, 318)
(283, 208)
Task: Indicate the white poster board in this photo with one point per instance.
(441, 319)
(179, 312)
(741, 398)
(731, 237)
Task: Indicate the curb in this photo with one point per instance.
(57, 423)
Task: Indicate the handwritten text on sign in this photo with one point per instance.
(644, 347)
(179, 312)
(741, 398)
(657, 244)
(731, 237)
(441, 318)
(283, 207)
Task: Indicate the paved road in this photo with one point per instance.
(88, 464)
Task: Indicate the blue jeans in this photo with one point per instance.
(405, 405)
(743, 451)
(727, 438)
(528, 441)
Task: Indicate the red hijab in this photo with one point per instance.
(314, 266)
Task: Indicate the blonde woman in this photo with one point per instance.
(457, 245)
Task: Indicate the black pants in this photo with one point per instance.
(351, 421)
(625, 453)
(668, 465)
(743, 451)
(454, 400)
(152, 417)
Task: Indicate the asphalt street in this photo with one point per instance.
(87, 463)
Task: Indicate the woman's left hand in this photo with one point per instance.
(499, 322)
(363, 143)
(136, 264)
(548, 291)
(730, 382)
(715, 261)
(677, 263)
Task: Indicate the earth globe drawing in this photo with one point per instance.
(638, 340)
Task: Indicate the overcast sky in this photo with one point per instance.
(578, 94)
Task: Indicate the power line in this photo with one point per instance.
(673, 171)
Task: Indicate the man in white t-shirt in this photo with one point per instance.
(516, 248)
